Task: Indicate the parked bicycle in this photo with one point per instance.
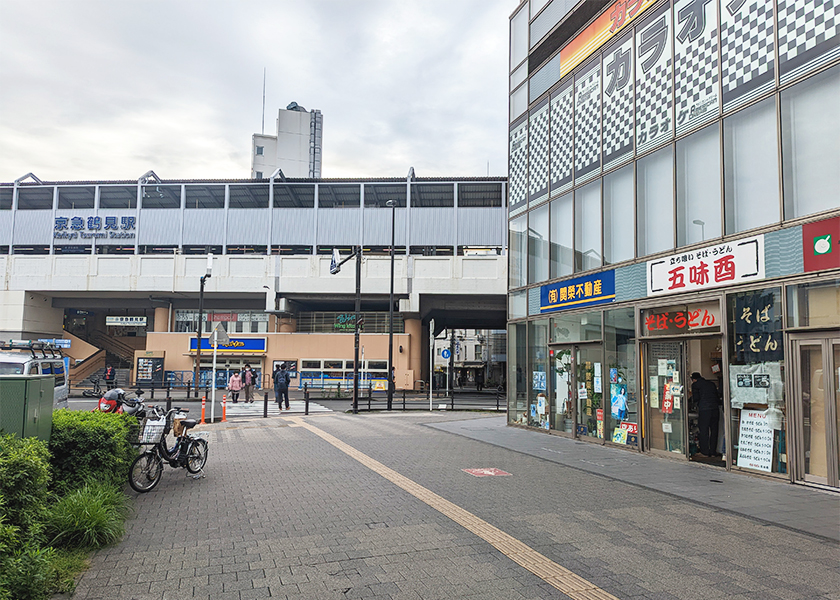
(96, 392)
(188, 451)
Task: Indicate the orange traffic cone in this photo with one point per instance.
(224, 408)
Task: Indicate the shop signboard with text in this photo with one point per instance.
(124, 321)
(235, 346)
(579, 292)
(728, 263)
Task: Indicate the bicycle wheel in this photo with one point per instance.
(91, 393)
(197, 455)
(145, 472)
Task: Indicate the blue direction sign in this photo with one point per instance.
(446, 353)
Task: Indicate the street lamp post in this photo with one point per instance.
(391, 382)
(204, 279)
(335, 267)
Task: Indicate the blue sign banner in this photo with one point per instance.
(235, 346)
(589, 290)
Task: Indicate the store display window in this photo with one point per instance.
(814, 304)
(757, 381)
(577, 327)
(517, 392)
(537, 381)
(622, 407)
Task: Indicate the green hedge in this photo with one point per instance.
(88, 446)
(24, 477)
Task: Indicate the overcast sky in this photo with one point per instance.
(108, 89)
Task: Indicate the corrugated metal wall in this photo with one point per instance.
(433, 226)
(293, 226)
(156, 226)
(378, 227)
(204, 227)
(481, 226)
(339, 226)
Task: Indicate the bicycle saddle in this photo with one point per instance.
(188, 423)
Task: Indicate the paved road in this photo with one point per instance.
(378, 506)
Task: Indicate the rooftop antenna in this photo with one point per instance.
(262, 130)
(488, 168)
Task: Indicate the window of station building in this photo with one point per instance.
(619, 218)
(756, 378)
(165, 196)
(35, 198)
(345, 322)
(376, 196)
(383, 250)
(432, 195)
(30, 249)
(811, 144)
(258, 174)
(291, 250)
(538, 262)
(76, 197)
(72, 249)
(655, 202)
(234, 321)
(518, 245)
(698, 187)
(431, 250)
(119, 196)
(171, 250)
(479, 195)
(4, 249)
(339, 196)
(622, 412)
(6, 194)
(111, 249)
(814, 304)
(205, 196)
(294, 196)
(248, 196)
(751, 168)
(194, 249)
(479, 250)
(260, 151)
(247, 249)
(588, 226)
(561, 236)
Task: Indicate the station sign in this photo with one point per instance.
(76, 228)
(589, 290)
(119, 321)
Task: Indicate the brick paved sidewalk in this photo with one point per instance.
(283, 513)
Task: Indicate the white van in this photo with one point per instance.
(36, 358)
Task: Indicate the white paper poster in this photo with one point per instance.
(662, 365)
(654, 392)
(582, 394)
(755, 441)
(597, 384)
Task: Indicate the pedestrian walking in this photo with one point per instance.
(110, 377)
(479, 380)
(281, 385)
(249, 379)
(706, 396)
(235, 386)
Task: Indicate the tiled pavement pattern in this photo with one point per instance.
(284, 514)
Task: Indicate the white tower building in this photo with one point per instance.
(296, 148)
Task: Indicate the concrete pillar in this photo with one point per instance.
(288, 325)
(414, 328)
(29, 316)
(161, 320)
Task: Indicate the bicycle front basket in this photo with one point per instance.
(152, 431)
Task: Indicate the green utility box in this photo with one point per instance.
(26, 405)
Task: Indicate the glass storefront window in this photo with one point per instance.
(576, 327)
(814, 304)
(618, 215)
(518, 244)
(622, 410)
(537, 374)
(751, 168)
(655, 202)
(756, 380)
(517, 365)
(518, 304)
(538, 244)
(811, 144)
(588, 227)
(698, 187)
(562, 228)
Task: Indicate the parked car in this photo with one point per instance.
(36, 358)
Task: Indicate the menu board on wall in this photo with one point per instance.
(755, 441)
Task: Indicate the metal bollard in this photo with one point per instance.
(152, 393)
(452, 401)
(265, 405)
(403, 400)
(168, 399)
(305, 399)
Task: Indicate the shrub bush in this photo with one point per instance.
(91, 446)
(24, 477)
(89, 517)
(25, 569)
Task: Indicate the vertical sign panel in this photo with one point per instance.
(562, 139)
(518, 167)
(538, 153)
(588, 122)
(618, 102)
(809, 35)
(654, 122)
(695, 62)
(747, 49)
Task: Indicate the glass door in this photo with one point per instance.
(817, 396)
(563, 417)
(664, 396)
(589, 392)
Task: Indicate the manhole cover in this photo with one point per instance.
(491, 472)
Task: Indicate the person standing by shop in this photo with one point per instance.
(707, 399)
(235, 386)
(110, 377)
(249, 379)
(281, 385)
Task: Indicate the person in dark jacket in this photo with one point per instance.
(707, 398)
(249, 380)
(110, 377)
(281, 385)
